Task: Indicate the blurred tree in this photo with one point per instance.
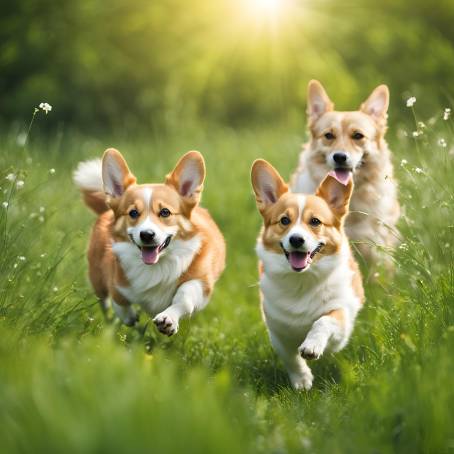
(124, 64)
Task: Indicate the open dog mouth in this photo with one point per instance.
(300, 260)
(150, 254)
(342, 174)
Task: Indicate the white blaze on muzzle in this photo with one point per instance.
(300, 253)
(161, 238)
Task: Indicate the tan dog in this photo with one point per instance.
(353, 142)
(311, 285)
(152, 245)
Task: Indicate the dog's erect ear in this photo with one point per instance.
(336, 195)
(187, 177)
(318, 101)
(268, 185)
(116, 175)
(376, 105)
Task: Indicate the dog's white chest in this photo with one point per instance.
(153, 286)
(292, 302)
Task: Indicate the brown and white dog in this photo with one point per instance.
(354, 143)
(152, 245)
(311, 285)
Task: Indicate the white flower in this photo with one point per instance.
(43, 255)
(411, 101)
(10, 177)
(20, 184)
(21, 258)
(41, 219)
(46, 107)
(442, 143)
(42, 209)
(421, 125)
(403, 247)
(55, 289)
(5, 204)
(446, 113)
(419, 170)
(403, 162)
(416, 133)
(52, 171)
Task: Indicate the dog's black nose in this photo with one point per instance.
(340, 158)
(296, 241)
(147, 236)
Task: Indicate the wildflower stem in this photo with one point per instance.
(30, 125)
(416, 124)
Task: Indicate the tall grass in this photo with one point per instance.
(70, 382)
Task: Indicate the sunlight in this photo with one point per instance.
(267, 6)
(267, 10)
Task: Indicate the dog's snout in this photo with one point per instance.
(147, 236)
(296, 241)
(340, 158)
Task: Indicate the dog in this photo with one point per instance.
(353, 143)
(152, 244)
(310, 283)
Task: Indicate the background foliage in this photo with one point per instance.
(123, 63)
(228, 78)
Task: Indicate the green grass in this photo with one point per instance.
(69, 382)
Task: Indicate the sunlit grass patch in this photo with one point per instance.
(71, 381)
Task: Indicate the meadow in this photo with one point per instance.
(72, 382)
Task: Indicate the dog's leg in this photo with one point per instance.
(125, 313)
(188, 299)
(330, 328)
(299, 372)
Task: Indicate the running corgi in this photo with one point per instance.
(311, 284)
(152, 245)
(353, 144)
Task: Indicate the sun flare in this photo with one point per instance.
(271, 12)
(267, 6)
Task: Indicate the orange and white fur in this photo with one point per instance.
(354, 143)
(310, 283)
(152, 245)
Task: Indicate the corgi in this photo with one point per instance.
(311, 286)
(353, 143)
(152, 244)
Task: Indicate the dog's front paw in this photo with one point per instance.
(312, 348)
(302, 382)
(166, 324)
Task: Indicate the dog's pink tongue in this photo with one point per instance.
(298, 260)
(150, 255)
(341, 175)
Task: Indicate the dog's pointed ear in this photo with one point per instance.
(268, 185)
(336, 194)
(376, 105)
(188, 176)
(116, 175)
(318, 101)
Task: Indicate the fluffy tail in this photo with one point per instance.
(88, 178)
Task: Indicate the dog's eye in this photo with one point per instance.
(315, 222)
(285, 220)
(330, 136)
(164, 213)
(357, 136)
(134, 214)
